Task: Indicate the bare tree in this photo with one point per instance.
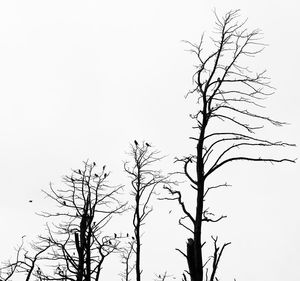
(86, 206)
(126, 254)
(229, 98)
(25, 262)
(144, 180)
(10, 267)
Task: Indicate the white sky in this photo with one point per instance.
(82, 79)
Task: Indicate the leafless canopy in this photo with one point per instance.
(228, 120)
(144, 180)
(85, 207)
(229, 95)
(25, 263)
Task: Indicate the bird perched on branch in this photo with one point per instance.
(94, 163)
(147, 144)
(79, 172)
(136, 143)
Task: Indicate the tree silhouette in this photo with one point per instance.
(229, 98)
(25, 262)
(86, 206)
(126, 253)
(228, 123)
(144, 180)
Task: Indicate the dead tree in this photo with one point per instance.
(229, 98)
(25, 263)
(10, 267)
(144, 180)
(85, 207)
(126, 254)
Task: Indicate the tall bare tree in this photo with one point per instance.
(79, 241)
(144, 180)
(227, 120)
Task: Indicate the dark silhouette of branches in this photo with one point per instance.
(85, 207)
(25, 262)
(163, 277)
(126, 254)
(9, 268)
(144, 180)
(228, 128)
(229, 97)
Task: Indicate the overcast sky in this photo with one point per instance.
(82, 79)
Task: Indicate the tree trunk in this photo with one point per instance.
(198, 276)
(137, 237)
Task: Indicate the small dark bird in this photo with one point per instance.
(79, 172)
(103, 167)
(105, 175)
(115, 235)
(127, 234)
(94, 163)
(96, 175)
(147, 144)
(132, 238)
(218, 79)
(30, 201)
(64, 202)
(136, 143)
